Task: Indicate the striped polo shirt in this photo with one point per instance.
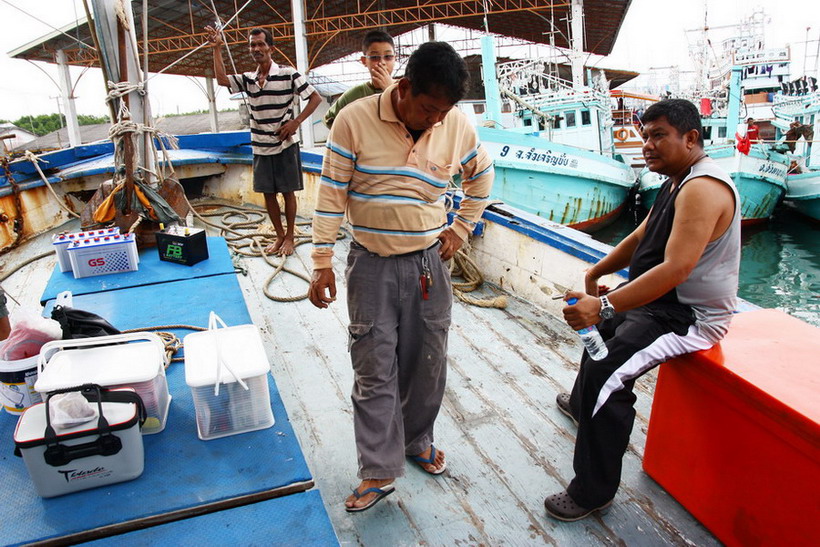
(271, 105)
(391, 188)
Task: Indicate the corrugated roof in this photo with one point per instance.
(334, 28)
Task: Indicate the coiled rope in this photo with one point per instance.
(171, 342)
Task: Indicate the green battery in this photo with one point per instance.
(182, 245)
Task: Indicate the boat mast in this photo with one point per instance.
(491, 92)
(576, 56)
(114, 24)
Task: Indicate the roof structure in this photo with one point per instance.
(333, 28)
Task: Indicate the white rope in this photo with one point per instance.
(219, 26)
(35, 160)
(235, 15)
(49, 26)
(126, 126)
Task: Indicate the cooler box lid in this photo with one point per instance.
(240, 348)
(108, 365)
(31, 427)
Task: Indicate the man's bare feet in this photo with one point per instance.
(274, 248)
(352, 502)
(287, 246)
(431, 460)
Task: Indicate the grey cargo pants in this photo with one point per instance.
(398, 347)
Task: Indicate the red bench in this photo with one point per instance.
(734, 433)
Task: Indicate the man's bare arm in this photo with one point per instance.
(215, 39)
(616, 260)
(703, 210)
(292, 126)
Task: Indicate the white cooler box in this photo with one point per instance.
(135, 360)
(87, 455)
(217, 363)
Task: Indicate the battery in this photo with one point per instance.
(182, 245)
(62, 240)
(103, 255)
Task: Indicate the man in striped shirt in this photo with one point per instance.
(273, 92)
(388, 163)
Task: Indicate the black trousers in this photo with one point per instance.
(602, 399)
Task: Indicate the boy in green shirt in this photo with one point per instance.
(379, 57)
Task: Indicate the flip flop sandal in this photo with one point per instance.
(381, 493)
(431, 460)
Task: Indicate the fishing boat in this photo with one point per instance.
(740, 76)
(804, 193)
(759, 172)
(523, 353)
(626, 129)
(559, 160)
(798, 120)
(507, 448)
(759, 175)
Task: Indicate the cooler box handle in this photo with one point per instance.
(107, 444)
(50, 348)
(213, 326)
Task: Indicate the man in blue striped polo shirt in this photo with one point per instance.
(273, 92)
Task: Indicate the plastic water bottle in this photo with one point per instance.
(592, 339)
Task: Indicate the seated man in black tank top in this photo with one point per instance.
(683, 271)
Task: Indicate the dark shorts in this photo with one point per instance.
(278, 173)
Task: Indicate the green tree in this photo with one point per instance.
(42, 124)
(46, 123)
(85, 119)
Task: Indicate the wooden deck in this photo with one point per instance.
(507, 445)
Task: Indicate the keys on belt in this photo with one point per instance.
(425, 279)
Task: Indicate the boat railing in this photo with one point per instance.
(529, 80)
(788, 106)
(627, 117)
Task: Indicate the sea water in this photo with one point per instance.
(779, 263)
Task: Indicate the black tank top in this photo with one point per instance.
(650, 251)
(711, 288)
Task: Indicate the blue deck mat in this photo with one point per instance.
(151, 270)
(187, 302)
(181, 471)
(298, 519)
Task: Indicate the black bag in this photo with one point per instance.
(81, 324)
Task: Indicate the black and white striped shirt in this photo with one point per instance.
(271, 105)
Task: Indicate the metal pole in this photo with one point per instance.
(209, 89)
(73, 125)
(491, 93)
(300, 41)
(577, 43)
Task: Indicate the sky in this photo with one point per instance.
(652, 35)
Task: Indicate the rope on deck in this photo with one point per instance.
(465, 267)
(253, 243)
(171, 342)
(35, 161)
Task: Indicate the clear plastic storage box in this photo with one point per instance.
(135, 360)
(217, 364)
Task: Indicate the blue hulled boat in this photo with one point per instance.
(565, 184)
(558, 161)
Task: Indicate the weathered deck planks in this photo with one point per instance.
(507, 446)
